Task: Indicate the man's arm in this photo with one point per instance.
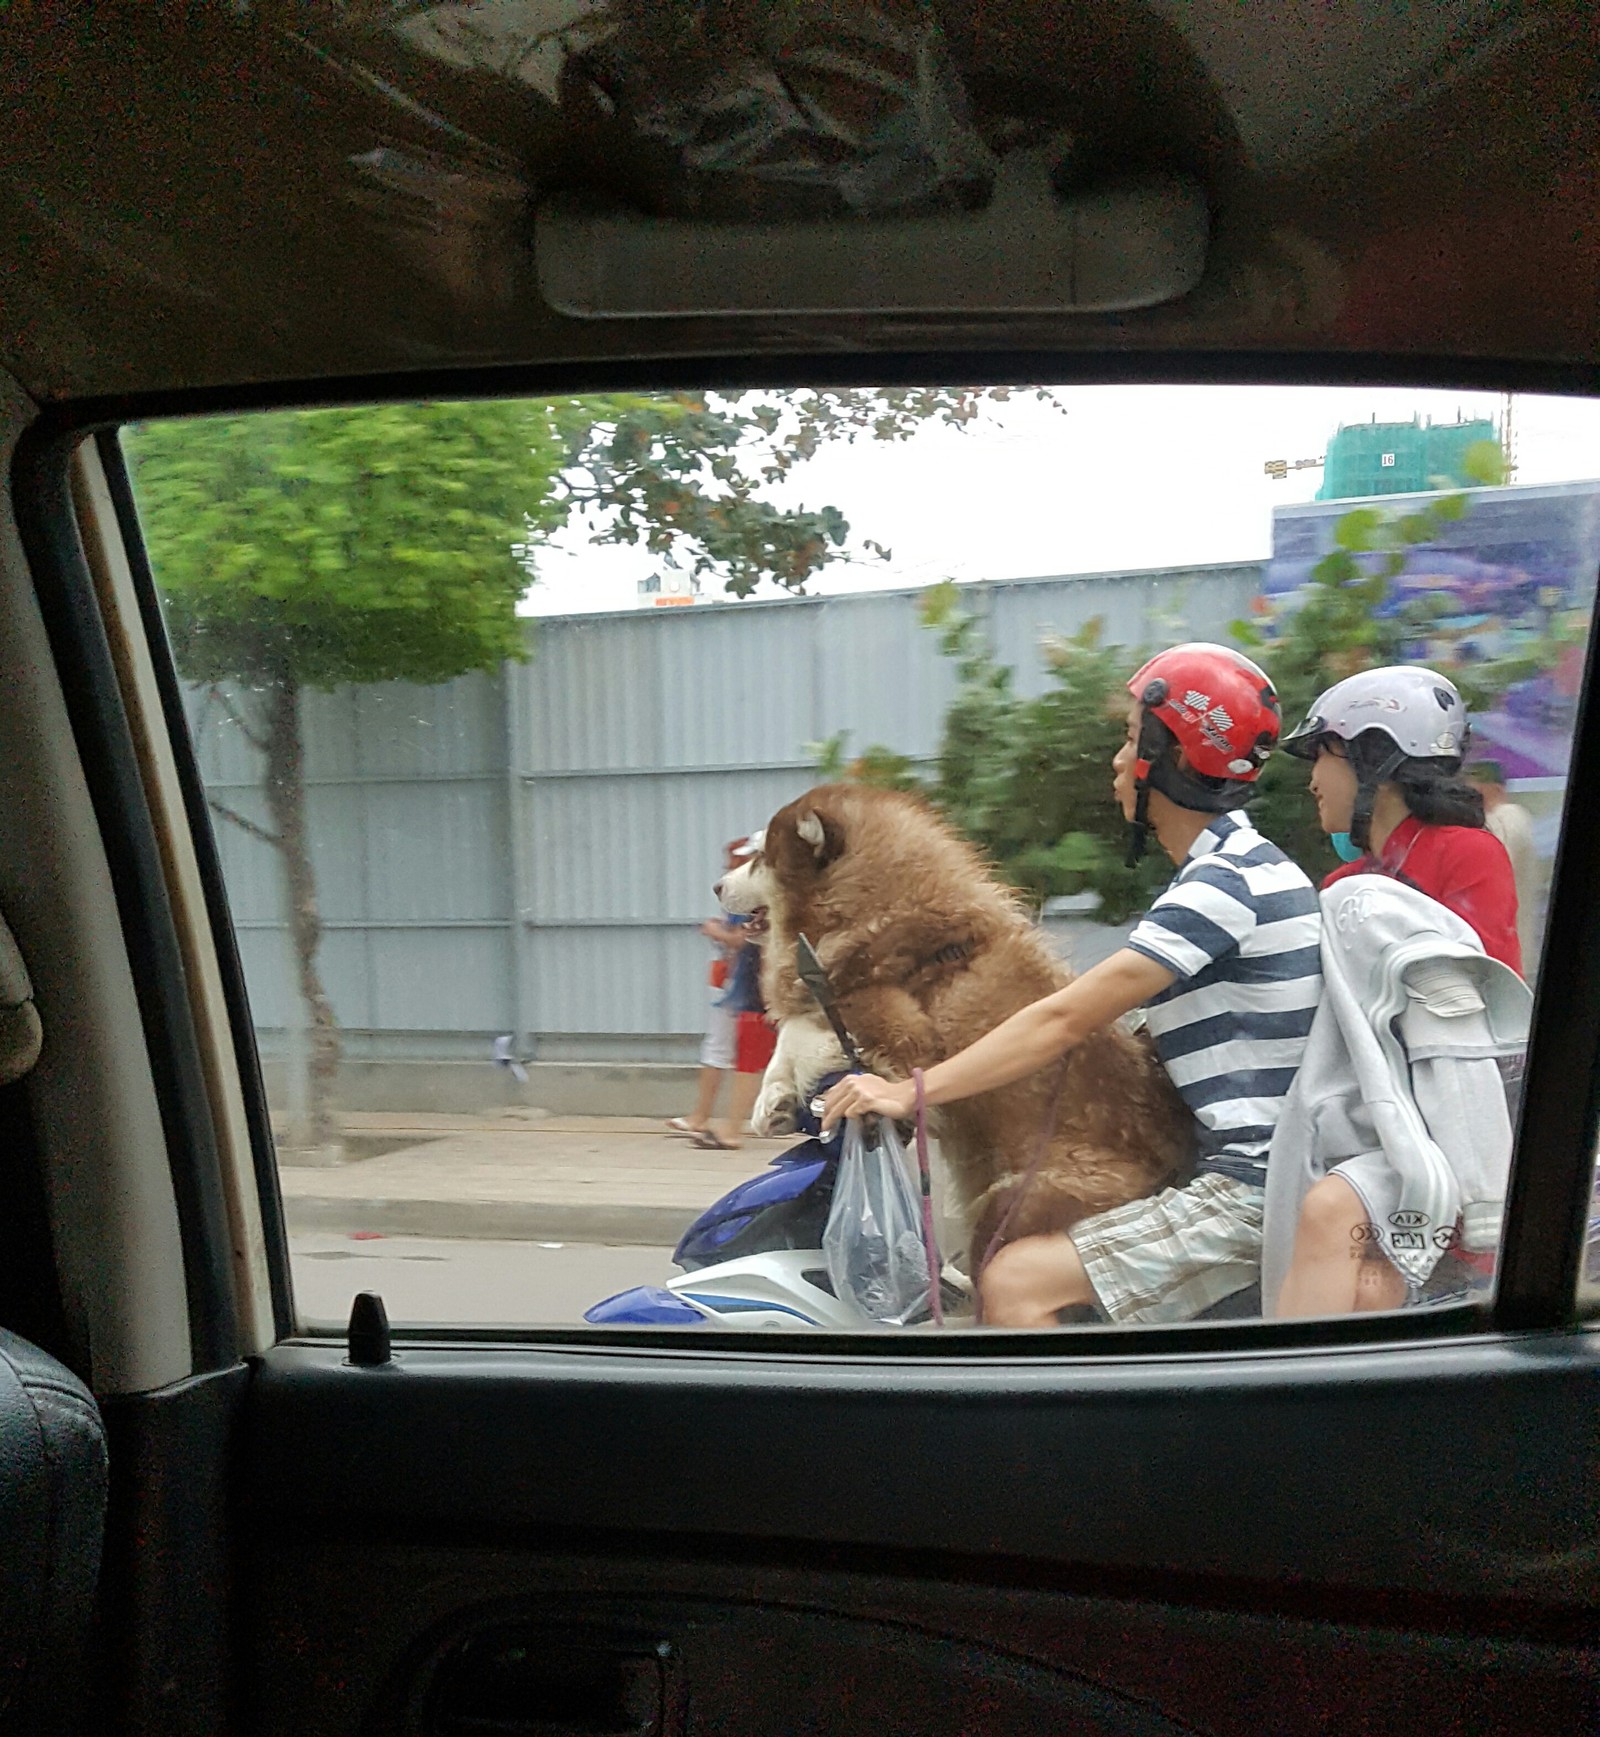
(1017, 1047)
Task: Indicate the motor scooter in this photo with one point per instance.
(754, 1258)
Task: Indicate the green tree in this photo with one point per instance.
(391, 543)
(683, 474)
(315, 548)
(1029, 780)
(876, 765)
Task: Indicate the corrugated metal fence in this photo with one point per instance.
(532, 852)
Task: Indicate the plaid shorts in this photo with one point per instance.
(1174, 1254)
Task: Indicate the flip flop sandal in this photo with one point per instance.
(677, 1125)
(709, 1142)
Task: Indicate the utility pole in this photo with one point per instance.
(1508, 437)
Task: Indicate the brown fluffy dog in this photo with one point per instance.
(927, 951)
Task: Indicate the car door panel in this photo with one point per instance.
(1133, 1467)
(760, 1516)
(806, 1640)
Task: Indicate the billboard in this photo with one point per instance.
(1510, 586)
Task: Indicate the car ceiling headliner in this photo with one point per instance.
(287, 192)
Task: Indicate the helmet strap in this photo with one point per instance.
(1368, 781)
(1139, 826)
(1189, 791)
(1152, 749)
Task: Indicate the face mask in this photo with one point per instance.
(1346, 849)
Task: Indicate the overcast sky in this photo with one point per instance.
(1105, 479)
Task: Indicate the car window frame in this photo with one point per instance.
(1547, 1201)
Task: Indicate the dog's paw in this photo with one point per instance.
(776, 1110)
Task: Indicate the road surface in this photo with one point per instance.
(431, 1281)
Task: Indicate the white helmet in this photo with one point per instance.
(1418, 709)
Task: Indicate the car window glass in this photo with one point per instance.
(537, 733)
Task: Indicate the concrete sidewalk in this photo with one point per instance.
(595, 1179)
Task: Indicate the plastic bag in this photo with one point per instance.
(818, 108)
(873, 1240)
(851, 98)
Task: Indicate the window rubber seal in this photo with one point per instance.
(209, 863)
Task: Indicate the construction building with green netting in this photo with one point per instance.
(1401, 458)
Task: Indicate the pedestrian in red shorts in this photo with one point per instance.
(731, 1045)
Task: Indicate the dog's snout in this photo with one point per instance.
(716, 892)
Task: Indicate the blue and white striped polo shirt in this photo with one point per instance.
(1241, 928)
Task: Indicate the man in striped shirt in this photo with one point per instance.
(1239, 932)
(1227, 965)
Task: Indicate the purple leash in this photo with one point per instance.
(924, 1171)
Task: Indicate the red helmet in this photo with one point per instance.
(1218, 704)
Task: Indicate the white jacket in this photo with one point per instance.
(1400, 1090)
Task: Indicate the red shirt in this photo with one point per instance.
(1464, 867)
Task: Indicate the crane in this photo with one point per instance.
(1279, 468)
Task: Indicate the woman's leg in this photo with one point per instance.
(1337, 1269)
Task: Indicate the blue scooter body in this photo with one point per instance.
(785, 1206)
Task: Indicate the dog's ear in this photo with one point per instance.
(825, 837)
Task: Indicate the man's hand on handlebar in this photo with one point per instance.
(867, 1095)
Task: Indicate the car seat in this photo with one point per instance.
(52, 1519)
